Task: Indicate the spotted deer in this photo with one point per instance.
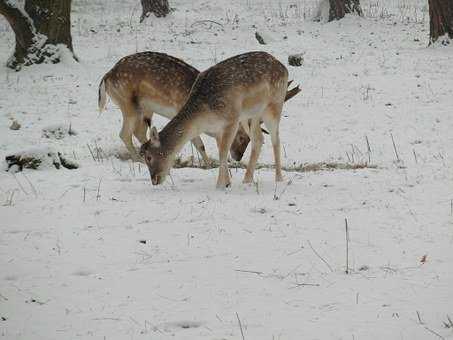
(250, 86)
(150, 82)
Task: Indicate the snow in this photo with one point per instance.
(58, 131)
(98, 252)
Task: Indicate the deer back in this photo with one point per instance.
(243, 85)
(242, 80)
(151, 78)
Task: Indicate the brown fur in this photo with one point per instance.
(164, 80)
(248, 86)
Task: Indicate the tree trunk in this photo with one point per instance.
(39, 28)
(440, 19)
(338, 8)
(160, 8)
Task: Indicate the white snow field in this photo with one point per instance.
(99, 253)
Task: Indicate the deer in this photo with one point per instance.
(242, 90)
(145, 83)
(151, 82)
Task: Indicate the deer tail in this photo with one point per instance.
(102, 97)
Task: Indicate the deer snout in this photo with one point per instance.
(237, 156)
(157, 179)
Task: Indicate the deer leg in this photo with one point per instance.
(224, 143)
(272, 121)
(257, 139)
(142, 124)
(198, 143)
(140, 130)
(130, 117)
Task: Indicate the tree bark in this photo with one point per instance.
(440, 19)
(160, 8)
(338, 8)
(39, 28)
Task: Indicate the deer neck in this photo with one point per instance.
(177, 133)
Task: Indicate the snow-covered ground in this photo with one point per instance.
(100, 253)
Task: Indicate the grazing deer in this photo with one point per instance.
(150, 82)
(250, 86)
(147, 82)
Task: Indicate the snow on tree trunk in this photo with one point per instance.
(160, 8)
(441, 19)
(338, 8)
(40, 28)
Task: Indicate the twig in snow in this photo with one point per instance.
(349, 158)
(276, 198)
(91, 152)
(206, 21)
(347, 245)
(306, 284)
(435, 333)
(98, 152)
(113, 319)
(98, 195)
(419, 318)
(415, 156)
(394, 148)
(326, 263)
(249, 271)
(368, 149)
(240, 326)
(449, 323)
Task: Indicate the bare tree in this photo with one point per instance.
(160, 8)
(39, 28)
(440, 19)
(338, 8)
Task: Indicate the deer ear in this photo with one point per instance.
(154, 138)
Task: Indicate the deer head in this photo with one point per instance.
(239, 145)
(156, 158)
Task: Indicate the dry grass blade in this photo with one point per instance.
(394, 148)
(320, 257)
(240, 326)
(435, 333)
(347, 245)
